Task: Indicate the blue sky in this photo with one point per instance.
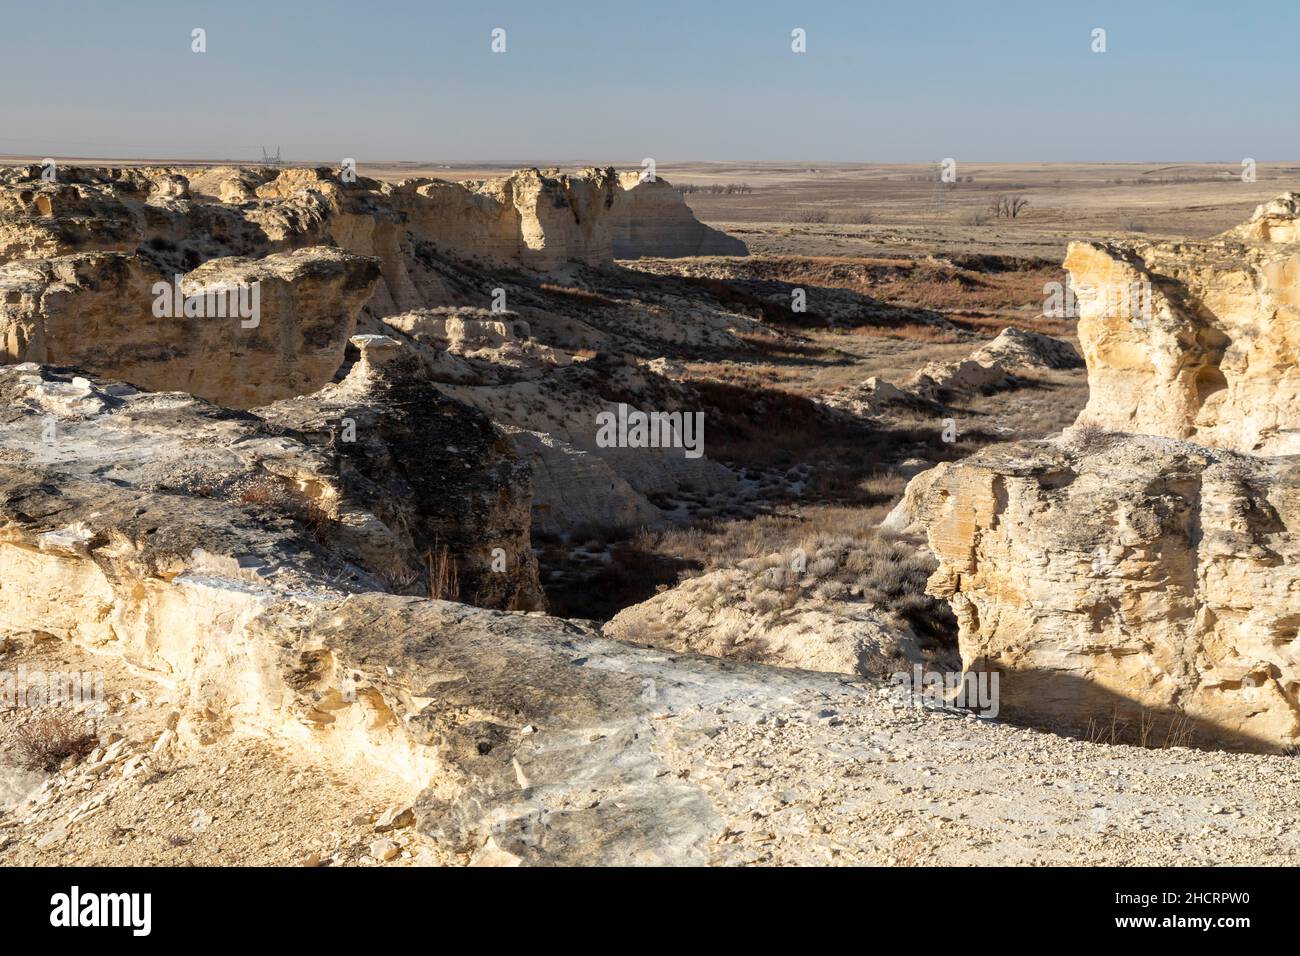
(998, 80)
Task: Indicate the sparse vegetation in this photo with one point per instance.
(1008, 207)
(443, 574)
(46, 742)
(1146, 728)
(265, 491)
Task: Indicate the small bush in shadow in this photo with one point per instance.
(44, 743)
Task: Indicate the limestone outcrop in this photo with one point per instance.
(1196, 340)
(770, 612)
(239, 332)
(1132, 575)
(538, 220)
(440, 478)
(574, 465)
(528, 739)
(652, 221)
(379, 481)
(1140, 570)
(993, 365)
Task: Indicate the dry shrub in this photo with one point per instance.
(1090, 437)
(312, 514)
(808, 215)
(44, 743)
(845, 557)
(399, 577)
(265, 491)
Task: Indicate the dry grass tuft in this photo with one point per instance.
(1143, 731)
(444, 575)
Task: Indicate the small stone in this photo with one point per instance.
(384, 850)
(394, 818)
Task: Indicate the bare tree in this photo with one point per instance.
(1008, 207)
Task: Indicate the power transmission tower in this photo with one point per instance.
(268, 160)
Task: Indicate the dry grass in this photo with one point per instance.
(46, 742)
(1153, 730)
(260, 491)
(444, 574)
(904, 298)
(265, 491)
(912, 332)
(585, 296)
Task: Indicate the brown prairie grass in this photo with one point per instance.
(444, 574)
(911, 331)
(585, 296)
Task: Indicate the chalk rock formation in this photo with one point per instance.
(574, 487)
(573, 463)
(369, 476)
(724, 614)
(1131, 574)
(478, 346)
(653, 221)
(1143, 564)
(531, 739)
(427, 237)
(990, 366)
(1196, 340)
(1020, 350)
(114, 315)
(434, 472)
(1277, 220)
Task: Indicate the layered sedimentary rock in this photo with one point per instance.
(1195, 340)
(375, 478)
(530, 739)
(438, 476)
(539, 220)
(1141, 570)
(574, 462)
(738, 615)
(1133, 575)
(239, 332)
(653, 221)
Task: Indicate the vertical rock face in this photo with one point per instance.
(1145, 577)
(440, 478)
(654, 221)
(1193, 340)
(107, 313)
(1141, 570)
